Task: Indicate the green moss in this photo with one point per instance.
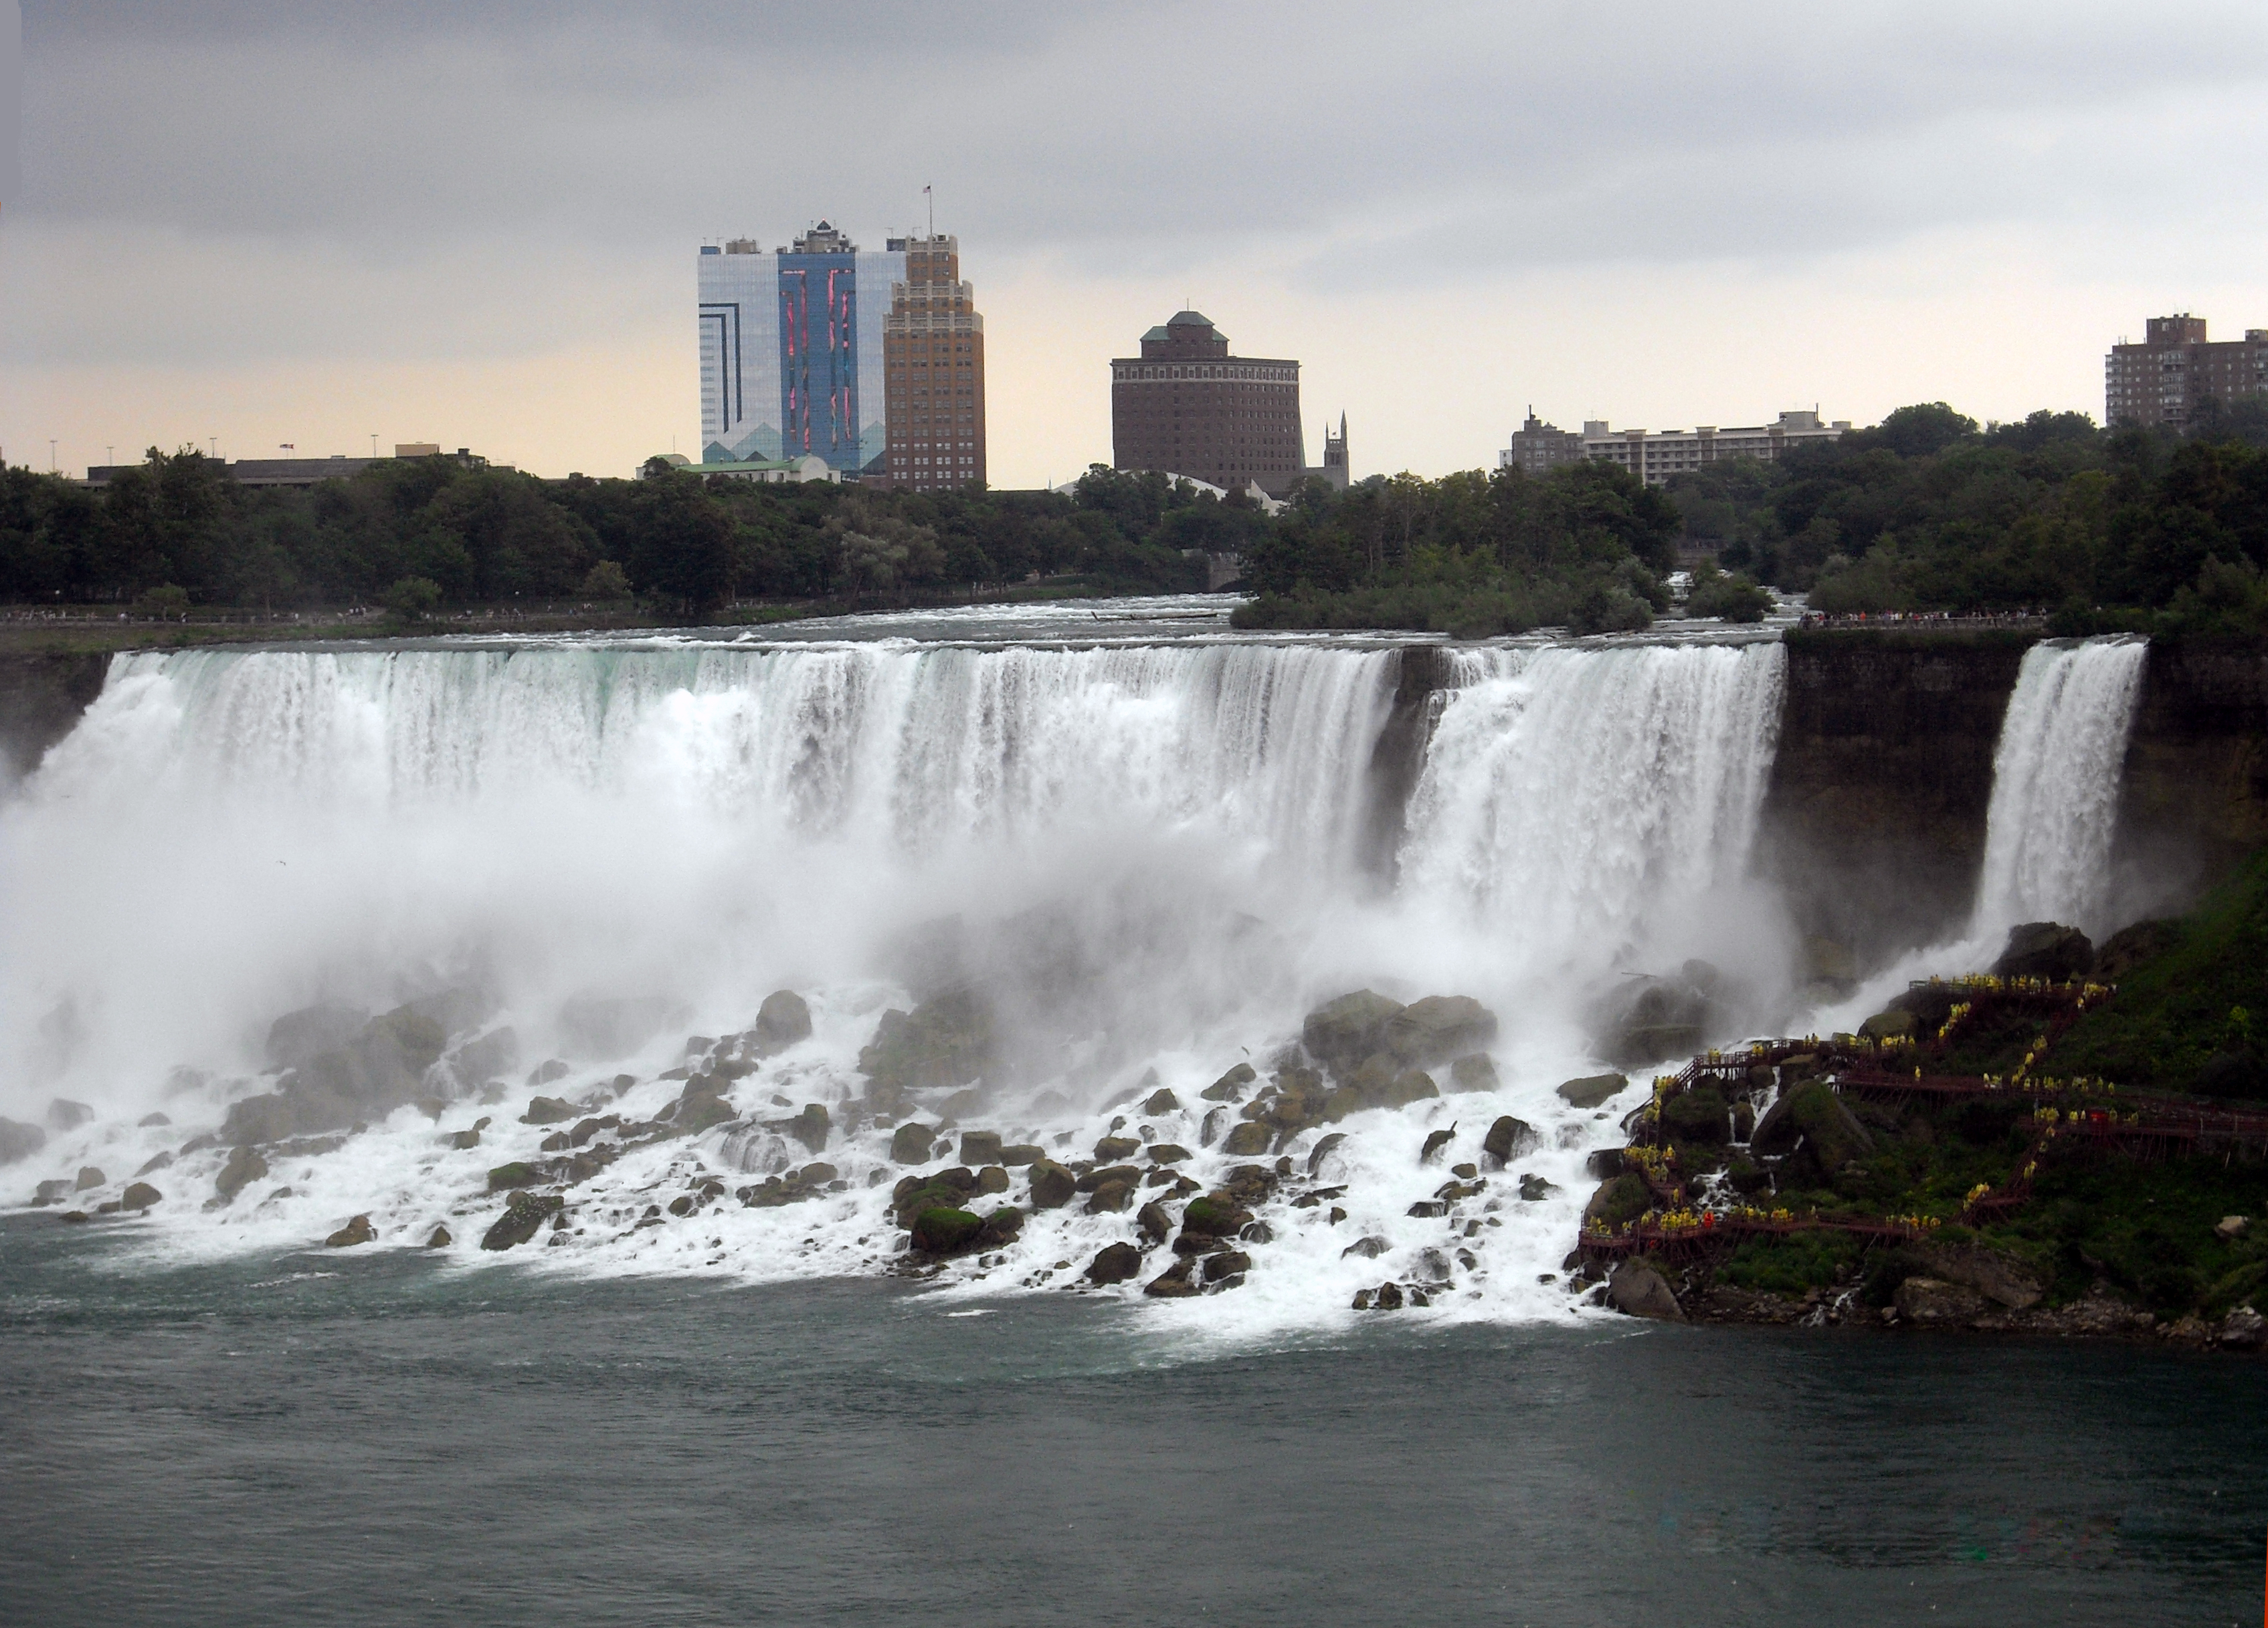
(943, 1231)
(1624, 1198)
(2176, 1010)
(514, 1175)
(1790, 1264)
(1208, 1217)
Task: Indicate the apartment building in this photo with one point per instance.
(2161, 381)
(934, 351)
(1655, 455)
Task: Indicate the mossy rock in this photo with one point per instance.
(1812, 1119)
(1623, 1199)
(943, 1231)
(1213, 1218)
(519, 1173)
(1699, 1115)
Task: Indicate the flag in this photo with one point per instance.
(285, 446)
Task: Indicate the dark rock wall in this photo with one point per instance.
(41, 698)
(2195, 797)
(1874, 821)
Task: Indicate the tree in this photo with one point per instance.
(413, 600)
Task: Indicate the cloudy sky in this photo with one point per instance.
(476, 224)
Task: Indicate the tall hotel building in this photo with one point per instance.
(2162, 380)
(791, 351)
(933, 345)
(1185, 406)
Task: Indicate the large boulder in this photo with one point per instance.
(66, 1114)
(1929, 1302)
(523, 1213)
(1508, 1138)
(812, 1126)
(784, 1019)
(1436, 1029)
(1209, 1217)
(357, 1231)
(1637, 1290)
(18, 1141)
(88, 1176)
(245, 1166)
(1621, 1199)
(1812, 1121)
(943, 1042)
(941, 1231)
(1591, 1091)
(1248, 1139)
(981, 1147)
(910, 1143)
(1341, 1033)
(2131, 947)
(380, 1068)
(138, 1196)
(550, 1111)
(1115, 1263)
(1052, 1184)
(1475, 1073)
(2047, 949)
(1697, 1115)
(297, 1036)
(1230, 1086)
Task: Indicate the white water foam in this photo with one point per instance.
(231, 835)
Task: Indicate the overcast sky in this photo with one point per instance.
(477, 225)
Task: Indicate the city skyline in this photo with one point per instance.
(1718, 210)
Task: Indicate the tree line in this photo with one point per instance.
(432, 531)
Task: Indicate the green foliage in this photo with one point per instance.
(413, 598)
(1471, 555)
(1789, 1265)
(489, 536)
(167, 600)
(2174, 1022)
(2149, 1229)
(1734, 599)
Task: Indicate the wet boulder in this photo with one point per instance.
(1436, 1140)
(1209, 1217)
(519, 1173)
(1534, 1189)
(440, 1239)
(66, 1114)
(1507, 1139)
(1167, 1153)
(18, 1141)
(1052, 1184)
(139, 1196)
(490, 1057)
(813, 1127)
(1109, 1197)
(1812, 1121)
(1230, 1086)
(1666, 1017)
(1591, 1091)
(1161, 1101)
(1699, 1115)
(1002, 1227)
(2045, 949)
(1932, 1302)
(910, 1143)
(88, 1176)
(1110, 1150)
(523, 1213)
(1176, 1281)
(1341, 1033)
(1154, 1222)
(1618, 1201)
(1637, 1290)
(783, 1020)
(1016, 1156)
(1248, 1139)
(245, 1166)
(1436, 1029)
(357, 1231)
(946, 1041)
(51, 1193)
(1323, 1150)
(1226, 1269)
(942, 1231)
(980, 1147)
(297, 1036)
(1115, 1262)
(992, 1179)
(1475, 1073)
(1368, 1248)
(548, 1110)
(267, 1118)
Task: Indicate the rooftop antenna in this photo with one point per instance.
(930, 196)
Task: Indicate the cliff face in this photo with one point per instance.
(41, 697)
(2195, 796)
(1873, 822)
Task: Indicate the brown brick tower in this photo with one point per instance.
(933, 352)
(1186, 406)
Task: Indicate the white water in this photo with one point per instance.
(1152, 852)
(2056, 777)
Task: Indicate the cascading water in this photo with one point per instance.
(1150, 856)
(2056, 777)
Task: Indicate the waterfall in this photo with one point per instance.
(1148, 857)
(1576, 795)
(2055, 785)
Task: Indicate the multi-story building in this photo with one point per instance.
(2162, 380)
(791, 363)
(1656, 455)
(933, 352)
(1186, 406)
(1537, 446)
